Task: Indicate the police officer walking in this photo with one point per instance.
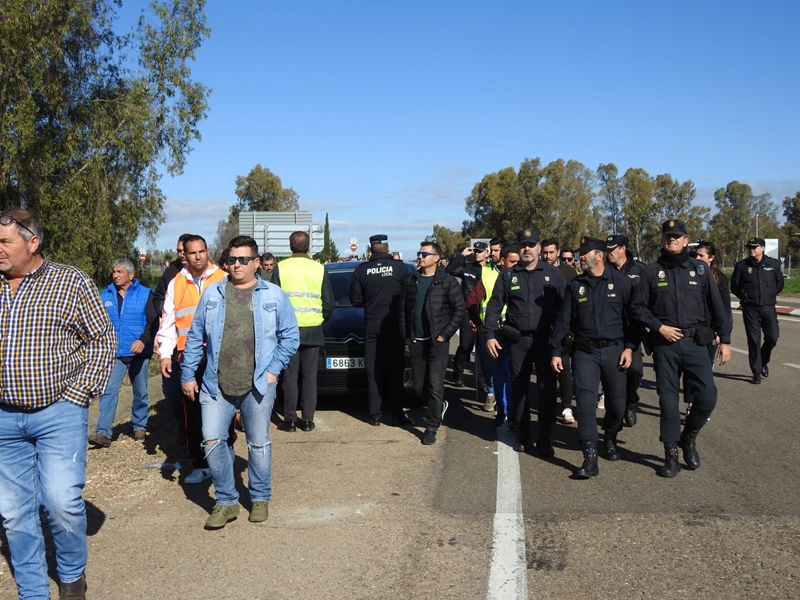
(532, 291)
(596, 310)
(376, 286)
(673, 298)
(757, 281)
(621, 258)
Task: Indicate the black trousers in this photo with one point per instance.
(633, 377)
(523, 355)
(756, 319)
(592, 367)
(302, 366)
(565, 381)
(384, 358)
(466, 342)
(429, 365)
(683, 356)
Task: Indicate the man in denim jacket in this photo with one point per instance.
(248, 331)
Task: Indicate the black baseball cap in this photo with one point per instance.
(673, 227)
(379, 238)
(480, 246)
(754, 242)
(589, 243)
(528, 236)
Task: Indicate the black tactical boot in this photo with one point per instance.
(687, 444)
(589, 467)
(610, 446)
(672, 465)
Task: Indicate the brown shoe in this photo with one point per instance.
(75, 590)
(98, 439)
(139, 435)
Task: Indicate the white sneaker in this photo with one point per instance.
(488, 406)
(198, 476)
(567, 415)
(601, 402)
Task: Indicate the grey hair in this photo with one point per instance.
(125, 264)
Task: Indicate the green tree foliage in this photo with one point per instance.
(556, 199)
(638, 210)
(791, 230)
(735, 220)
(611, 196)
(261, 189)
(451, 242)
(329, 251)
(674, 201)
(89, 116)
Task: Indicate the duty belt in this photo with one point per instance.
(689, 332)
(582, 341)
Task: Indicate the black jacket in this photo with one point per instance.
(444, 305)
(757, 283)
(468, 270)
(376, 285)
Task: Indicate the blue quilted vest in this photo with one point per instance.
(130, 322)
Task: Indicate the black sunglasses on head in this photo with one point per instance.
(8, 220)
(231, 260)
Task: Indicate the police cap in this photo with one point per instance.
(673, 227)
(614, 241)
(528, 236)
(589, 243)
(755, 242)
(379, 239)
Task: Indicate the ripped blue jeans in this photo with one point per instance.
(256, 412)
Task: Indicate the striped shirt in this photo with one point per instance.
(56, 340)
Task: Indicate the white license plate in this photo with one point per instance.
(345, 363)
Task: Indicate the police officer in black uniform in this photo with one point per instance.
(532, 291)
(678, 300)
(468, 266)
(757, 281)
(622, 259)
(596, 309)
(376, 286)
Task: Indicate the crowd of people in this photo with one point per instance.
(226, 333)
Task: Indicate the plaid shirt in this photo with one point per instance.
(56, 341)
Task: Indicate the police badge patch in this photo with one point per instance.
(662, 276)
(514, 280)
(692, 273)
(547, 277)
(611, 286)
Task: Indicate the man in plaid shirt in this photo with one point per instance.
(57, 348)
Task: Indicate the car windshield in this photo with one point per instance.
(340, 282)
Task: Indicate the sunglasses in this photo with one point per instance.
(231, 260)
(8, 220)
(425, 254)
(568, 258)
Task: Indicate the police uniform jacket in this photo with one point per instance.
(376, 286)
(468, 270)
(757, 283)
(599, 312)
(684, 296)
(532, 297)
(633, 269)
(444, 305)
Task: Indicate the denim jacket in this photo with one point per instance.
(276, 331)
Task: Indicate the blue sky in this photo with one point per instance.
(385, 115)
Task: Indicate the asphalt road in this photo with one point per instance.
(368, 512)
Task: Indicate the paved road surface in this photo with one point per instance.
(365, 512)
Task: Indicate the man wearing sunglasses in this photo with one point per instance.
(250, 334)
(180, 305)
(306, 283)
(57, 354)
(431, 311)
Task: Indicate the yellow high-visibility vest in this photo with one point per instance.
(489, 277)
(301, 279)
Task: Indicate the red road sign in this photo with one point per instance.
(142, 257)
(353, 247)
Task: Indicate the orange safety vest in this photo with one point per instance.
(186, 300)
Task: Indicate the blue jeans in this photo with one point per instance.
(256, 412)
(501, 378)
(43, 462)
(487, 364)
(137, 373)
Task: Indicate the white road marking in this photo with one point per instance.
(794, 366)
(508, 578)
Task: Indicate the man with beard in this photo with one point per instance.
(532, 293)
(674, 296)
(595, 310)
